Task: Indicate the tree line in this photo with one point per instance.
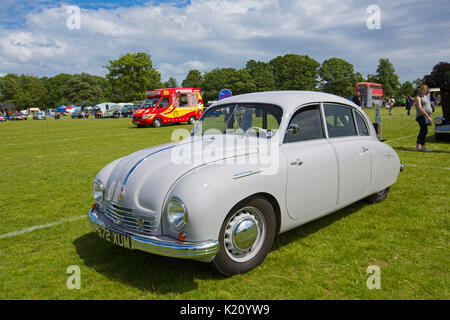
(132, 74)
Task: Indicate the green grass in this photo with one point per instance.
(46, 170)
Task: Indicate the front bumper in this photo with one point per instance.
(160, 245)
(443, 128)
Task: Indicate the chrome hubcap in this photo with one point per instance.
(245, 234)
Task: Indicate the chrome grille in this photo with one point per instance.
(126, 218)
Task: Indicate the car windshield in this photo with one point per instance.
(150, 103)
(262, 120)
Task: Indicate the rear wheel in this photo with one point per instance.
(246, 237)
(379, 196)
(157, 122)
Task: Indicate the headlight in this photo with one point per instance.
(438, 121)
(97, 191)
(176, 213)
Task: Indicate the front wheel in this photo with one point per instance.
(246, 237)
(192, 120)
(157, 122)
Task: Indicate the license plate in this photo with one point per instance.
(116, 238)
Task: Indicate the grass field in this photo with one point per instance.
(46, 171)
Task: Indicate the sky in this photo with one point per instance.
(43, 38)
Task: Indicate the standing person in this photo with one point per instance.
(423, 116)
(358, 100)
(391, 105)
(409, 104)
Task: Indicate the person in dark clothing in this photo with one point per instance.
(358, 100)
(409, 104)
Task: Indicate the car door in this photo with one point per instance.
(312, 173)
(353, 151)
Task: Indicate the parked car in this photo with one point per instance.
(441, 127)
(76, 114)
(227, 209)
(39, 115)
(2, 118)
(18, 116)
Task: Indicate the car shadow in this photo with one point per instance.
(159, 274)
(142, 270)
(314, 226)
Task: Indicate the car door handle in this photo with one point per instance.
(365, 149)
(298, 162)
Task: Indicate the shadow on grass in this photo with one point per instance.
(316, 225)
(142, 270)
(165, 275)
(413, 149)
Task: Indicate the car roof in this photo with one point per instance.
(288, 100)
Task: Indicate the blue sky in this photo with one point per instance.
(204, 34)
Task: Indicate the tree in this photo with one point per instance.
(238, 81)
(295, 72)
(84, 87)
(387, 77)
(440, 78)
(359, 78)
(132, 75)
(193, 79)
(337, 77)
(55, 87)
(262, 75)
(24, 91)
(171, 83)
(406, 89)
(417, 83)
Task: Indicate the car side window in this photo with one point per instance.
(305, 125)
(362, 127)
(339, 121)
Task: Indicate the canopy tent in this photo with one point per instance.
(61, 108)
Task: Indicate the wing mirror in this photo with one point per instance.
(293, 129)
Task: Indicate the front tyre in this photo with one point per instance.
(246, 237)
(157, 122)
(192, 120)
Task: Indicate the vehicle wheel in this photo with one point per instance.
(379, 196)
(192, 120)
(246, 237)
(157, 122)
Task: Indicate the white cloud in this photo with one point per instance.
(224, 33)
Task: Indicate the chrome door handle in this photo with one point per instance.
(298, 162)
(365, 149)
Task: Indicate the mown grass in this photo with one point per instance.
(46, 170)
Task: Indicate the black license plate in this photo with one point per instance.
(116, 238)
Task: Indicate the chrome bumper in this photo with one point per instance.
(161, 245)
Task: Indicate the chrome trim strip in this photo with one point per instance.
(246, 174)
(163, 246)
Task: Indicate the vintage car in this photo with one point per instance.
(181, 200)
(441, 127)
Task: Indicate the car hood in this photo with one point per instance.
(142, 180)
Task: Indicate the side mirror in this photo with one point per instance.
(293, 129)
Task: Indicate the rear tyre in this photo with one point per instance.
(379, 196)
(246, 237)
(157, 122)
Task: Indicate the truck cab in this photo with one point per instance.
(169, 105)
